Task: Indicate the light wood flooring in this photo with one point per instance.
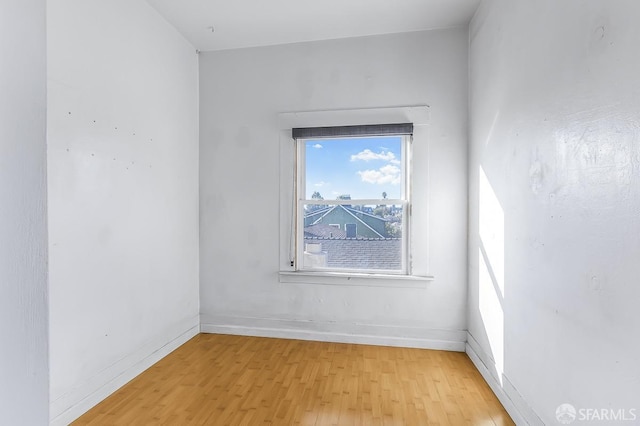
(236, 380)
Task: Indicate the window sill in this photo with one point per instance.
(354, 279)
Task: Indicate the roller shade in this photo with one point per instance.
(351, 131)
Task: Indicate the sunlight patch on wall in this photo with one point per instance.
(491, 270)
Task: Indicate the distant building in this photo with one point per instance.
(354, 223)
(343, 237)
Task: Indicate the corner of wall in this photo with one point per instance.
(507, 394)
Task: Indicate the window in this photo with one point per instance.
(352, 230)
(352, 198)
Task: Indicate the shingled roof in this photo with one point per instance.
(322, 230)
(361, 253)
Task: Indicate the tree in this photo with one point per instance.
(393, 229)
(382, 210)
(313, 207)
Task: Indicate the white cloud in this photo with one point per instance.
(320, 184)
(368, 155)
(388, 174)
(390, 169)
(317, 146)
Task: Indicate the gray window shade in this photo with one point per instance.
(350, 131)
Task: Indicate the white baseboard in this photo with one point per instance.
(448, 340)
(506, 393)
(71, 405)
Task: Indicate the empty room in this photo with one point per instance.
(349, 212)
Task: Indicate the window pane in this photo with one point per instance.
(354, 236)
(357, 168)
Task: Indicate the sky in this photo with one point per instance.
(360, 167)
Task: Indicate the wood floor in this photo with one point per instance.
(235, 380)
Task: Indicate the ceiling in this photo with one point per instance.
(247, 23)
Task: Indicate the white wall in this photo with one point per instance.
(123, 195)
(24, 370)
(242, 93)
(555, 202)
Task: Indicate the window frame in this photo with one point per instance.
(419, 115)
(301, 201)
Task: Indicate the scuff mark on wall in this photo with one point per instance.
(536, 176)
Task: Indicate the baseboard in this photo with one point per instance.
(448, 340)
(73, 404)
(507, 394)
